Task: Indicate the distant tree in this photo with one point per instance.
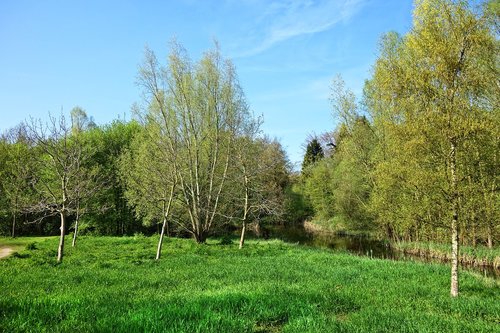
(339, 187)
(318, 188)
(89, 178)
(263, 176)
(17, 171)
(296, 204)
(108, 211)
(314, 153)
(344, 105)
(80, 122)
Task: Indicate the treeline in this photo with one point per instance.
(418, 158)
(65, 166)
(194, 162)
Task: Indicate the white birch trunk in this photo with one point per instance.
(454, 222)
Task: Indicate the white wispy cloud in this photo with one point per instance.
(282, 20)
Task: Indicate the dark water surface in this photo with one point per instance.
(356, 244)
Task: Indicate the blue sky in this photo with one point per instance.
(60, 54)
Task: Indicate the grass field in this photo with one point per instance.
(113, 285)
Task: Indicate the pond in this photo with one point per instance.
(356, 244)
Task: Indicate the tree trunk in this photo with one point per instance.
(454, 222)
(61, 240)
(76, 227)
(166, 211)
(160, 242)
(454, 256)
(474, 242)
(200, 237)
(14, 225)
(242, 238)
(490, 238)
(245, 212)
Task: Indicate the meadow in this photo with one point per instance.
(113, 284)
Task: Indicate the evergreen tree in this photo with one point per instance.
(314, 153)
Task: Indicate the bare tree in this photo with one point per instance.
(59, 175)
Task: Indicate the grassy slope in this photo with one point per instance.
(114, 285)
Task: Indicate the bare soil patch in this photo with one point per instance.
(5, 252)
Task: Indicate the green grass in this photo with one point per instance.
(20, 243)
(114, 285)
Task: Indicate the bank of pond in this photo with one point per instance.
(478, 259)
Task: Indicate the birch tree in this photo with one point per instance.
(437, 85)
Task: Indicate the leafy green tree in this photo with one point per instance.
(260, 180)
(339, 187)
(296, 203)
(4, 206)
(16, 174)
(202, 111)
(433, 91)
(80, 122)
(108, 211)
(352, 176)
(149, 180)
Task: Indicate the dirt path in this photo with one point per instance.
(5, 252)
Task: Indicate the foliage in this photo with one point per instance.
(338, 187)
(198, 112)
(109, 213)
(297, 206)
(434, 100)
(16, 174)
(427, 147)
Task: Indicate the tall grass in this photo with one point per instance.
(478, 256)
(114, 285)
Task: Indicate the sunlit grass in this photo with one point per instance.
(114, 285)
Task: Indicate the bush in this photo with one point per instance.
(31, 246)
(226, 240)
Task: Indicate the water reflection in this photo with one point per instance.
(356, 244)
